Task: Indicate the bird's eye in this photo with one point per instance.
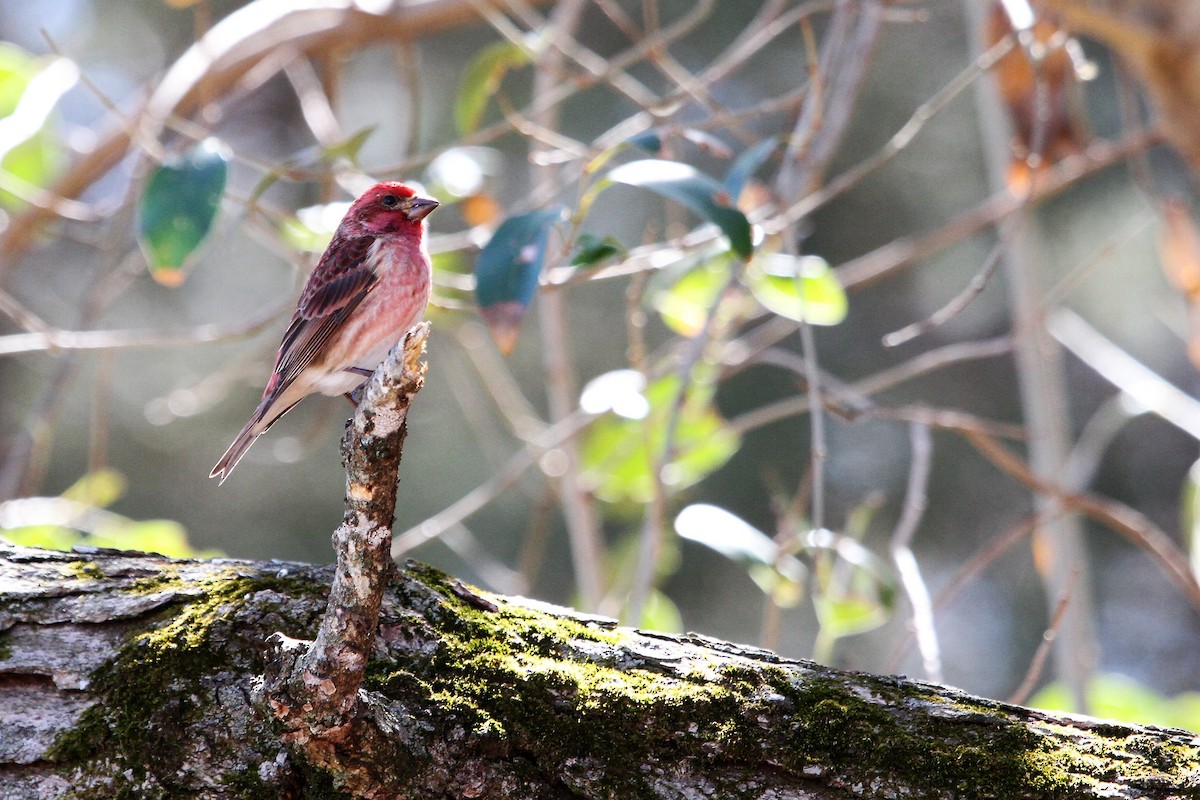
(389, 200)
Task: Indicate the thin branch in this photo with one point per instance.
(501, 481)
(904, 252)
(813, 200)
(956, 305)
(1038, 664)
(562, 393)
(1122, 519)
(1140, 383)
(902, 555)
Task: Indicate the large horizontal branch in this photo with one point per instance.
(133, 675)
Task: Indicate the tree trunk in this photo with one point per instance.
(131, 675)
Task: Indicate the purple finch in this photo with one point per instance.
(370, 286)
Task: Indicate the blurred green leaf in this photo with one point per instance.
(507, 272)
(618, 452)
(451, 261)
(312, 227)
(849, 615)
(684, 305)
(592, 249)
(853, 590)
(1190, 513)
(781, 576)
(303, 238)
(727, 534)
(661, 614)
(78, 518)
(687, 185)
(99, 488)
(798, 288)
(481, 80)
(30, 88)
(746, 164)
(1124, 699)
(349, 147)
(177, 207)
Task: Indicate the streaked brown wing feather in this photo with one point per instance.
(337, 285)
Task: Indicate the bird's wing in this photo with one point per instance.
(337, 285)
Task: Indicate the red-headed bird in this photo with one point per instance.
(370, 286)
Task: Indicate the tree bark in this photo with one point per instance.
(132, 675)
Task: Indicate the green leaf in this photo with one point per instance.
(661, 614)
(30, 88)
(780, 576)
(593, 249)
(746, 164)
(349, 147)
(849, 615)
(618, 452)
(312, 227)
(699, 192)
(854, 591)
(99, 488)
(507, 272)
(178, 205)
(684, 305)
(798, 288)
(1122, 698)
(727, 534)
(482, 79)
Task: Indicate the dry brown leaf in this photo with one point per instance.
(1038, 85)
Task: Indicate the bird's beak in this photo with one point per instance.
(418, 208)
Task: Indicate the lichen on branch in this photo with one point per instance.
(313, 689)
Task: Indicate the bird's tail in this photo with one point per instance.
(263, 418)
(249, 434)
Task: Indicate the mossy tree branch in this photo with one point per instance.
(128, 675)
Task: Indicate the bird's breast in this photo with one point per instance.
(391, 307)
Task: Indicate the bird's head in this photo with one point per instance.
(390, 207)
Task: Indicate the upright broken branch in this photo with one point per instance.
(313, 688)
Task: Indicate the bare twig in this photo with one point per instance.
(1122, 519)
(313, 689)
(501, 480)
(902, 554)
(1038, 663)
(1140, 383)
(845, 59)
(973, 289)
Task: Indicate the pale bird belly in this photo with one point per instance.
(372, 330)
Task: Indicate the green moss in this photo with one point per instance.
(565, 692)
(564, 697)
(5, 647)
(83, 569)
(160, 683)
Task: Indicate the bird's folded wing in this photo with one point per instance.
(338, 284)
